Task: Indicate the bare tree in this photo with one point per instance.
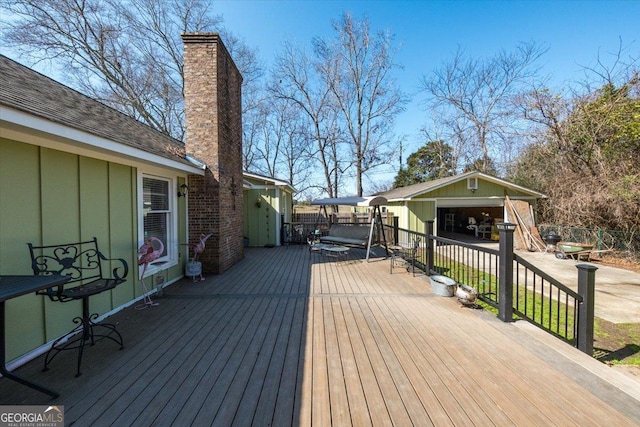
(295, 81)
(356, 67)
(585, 148)
(126, 54)
(279, 136)
(448, 130)
(295, 154)
(475, 95)
(253, 121)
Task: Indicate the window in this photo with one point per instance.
(156, 211)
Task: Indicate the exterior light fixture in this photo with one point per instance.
(184, 189)
(506, 226)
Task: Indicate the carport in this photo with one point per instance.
(455, 215)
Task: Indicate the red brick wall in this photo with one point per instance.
(213, 114)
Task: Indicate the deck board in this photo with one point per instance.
(381, 371)
(165, 387)
(267, 377)
(376, 406)
(462, 367)
(338, 400)
(290, 337)
(319, 393)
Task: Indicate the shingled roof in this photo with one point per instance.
(28, 91)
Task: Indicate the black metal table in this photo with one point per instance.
(12, 287)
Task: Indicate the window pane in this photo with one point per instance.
(156, 194)
(155, 225)
(156, 209)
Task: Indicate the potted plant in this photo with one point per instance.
(194, 267)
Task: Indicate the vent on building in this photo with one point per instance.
(472, 183)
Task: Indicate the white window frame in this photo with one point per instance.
(171, 257)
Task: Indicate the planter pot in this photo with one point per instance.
(194, 268)
(442, 285)
(466, 295)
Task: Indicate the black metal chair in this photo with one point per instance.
(293, 233)
(411, 256)
(82, 263)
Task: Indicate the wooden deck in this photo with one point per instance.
(287, 337)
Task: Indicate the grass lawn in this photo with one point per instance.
(617, 343)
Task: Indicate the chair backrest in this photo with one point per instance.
(80, 261)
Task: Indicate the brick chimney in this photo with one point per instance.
(213, 114)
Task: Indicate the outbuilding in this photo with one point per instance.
(461, 204)
(268, 203)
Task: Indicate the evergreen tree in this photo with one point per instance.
(432, 161)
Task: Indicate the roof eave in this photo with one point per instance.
(472, 174)
(274, 181)
(59, 136)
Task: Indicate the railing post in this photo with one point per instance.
(429, 231)
(586, 313)
(505, 271)
(395, 230)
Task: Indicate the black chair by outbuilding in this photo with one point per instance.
(411, 256)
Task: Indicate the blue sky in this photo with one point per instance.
(429, 32)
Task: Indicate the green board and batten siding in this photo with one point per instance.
(485, 189)
(20, 210)
(48, 196)
(260, 222)
(419, 212)
(412, 214)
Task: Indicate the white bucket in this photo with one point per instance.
(442, 285)
(194, 268)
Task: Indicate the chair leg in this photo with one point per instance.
(82, 335)
(66, 346)
(393, 259)
(86, 333)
